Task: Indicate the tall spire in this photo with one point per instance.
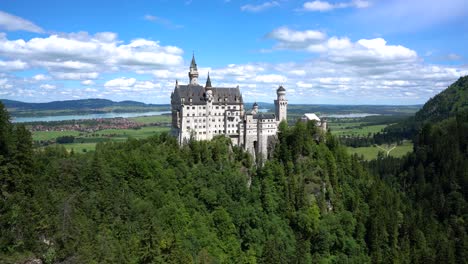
(193, 64)
(208, 81)
(193, 72)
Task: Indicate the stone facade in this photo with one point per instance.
(202, 112)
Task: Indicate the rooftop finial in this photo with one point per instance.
(208, 81)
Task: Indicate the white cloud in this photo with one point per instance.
(76, 55)
(260, 7)
(14, 65)
(40, 77)
(87, 82)
(144, 85)
(47, 86)
(341, 50)
(288, 35)
(75, 75)
(317, 6)
(120, 82)
(12, 23)
(271, 78)
(323, 6)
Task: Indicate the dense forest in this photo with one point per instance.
(152, 201)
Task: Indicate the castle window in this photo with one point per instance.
(193, 107)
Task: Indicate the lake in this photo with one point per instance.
(87, 116)
(355, 115)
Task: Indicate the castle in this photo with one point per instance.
(202, 112)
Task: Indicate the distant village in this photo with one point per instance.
(91, 125)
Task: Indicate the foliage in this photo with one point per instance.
(152, 201)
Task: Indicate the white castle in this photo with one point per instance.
(202, 113)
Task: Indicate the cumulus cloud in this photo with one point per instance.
(323, 6)
(14, 65)
(80, 56)
(341, 50)
(13, 23)
(292, 39)
(260, 7)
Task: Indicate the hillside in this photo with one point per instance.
(448, 103)
(83, 106)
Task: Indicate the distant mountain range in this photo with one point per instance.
(83, 106)
(73, 104)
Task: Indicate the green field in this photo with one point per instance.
(152, 119)
(87, 141)
(371, 152)
(50, 135)
(345, 129)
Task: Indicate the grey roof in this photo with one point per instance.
(264, 116)
(197, 93)
(281, 89)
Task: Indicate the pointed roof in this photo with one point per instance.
(281, 89)
(208, 81)
(193, 64)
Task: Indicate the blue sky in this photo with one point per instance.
(323, 52)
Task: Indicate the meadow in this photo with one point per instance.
(87, 141)
(364, 127)
(369, 153)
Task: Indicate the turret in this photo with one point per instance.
(208, 89)
(193, 72)
(323, 124)
(281, 104)
(255, 108)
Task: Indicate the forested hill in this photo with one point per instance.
(151, 201)
(448, 103)
(74, 106)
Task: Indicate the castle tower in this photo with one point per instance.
(281, 104)
(255, 108)
(323, 124)
(193, 73)
(209, 106)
